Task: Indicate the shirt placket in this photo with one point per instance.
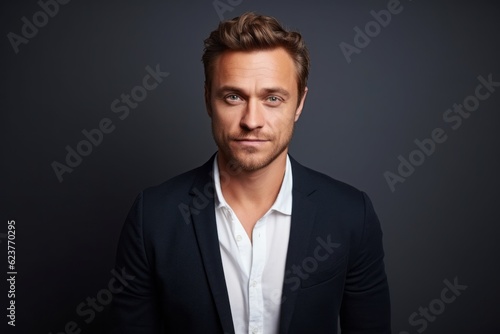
(255, 295)
(242, 241)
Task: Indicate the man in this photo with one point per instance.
(252, 241)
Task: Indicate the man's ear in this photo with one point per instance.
(207, 101)
(301, 105)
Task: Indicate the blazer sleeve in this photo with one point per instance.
(135, 309)
(365, 305)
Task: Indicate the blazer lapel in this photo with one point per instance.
(303, 215)
(203, 219)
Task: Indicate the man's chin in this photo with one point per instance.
(248, 164)
(251, 162)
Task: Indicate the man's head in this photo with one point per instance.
(255, 87)
(252, 32)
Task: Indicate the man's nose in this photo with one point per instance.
(253, 115)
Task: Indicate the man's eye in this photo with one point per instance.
(274, 99)
(232, 97)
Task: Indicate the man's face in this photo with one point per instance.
(253, 103)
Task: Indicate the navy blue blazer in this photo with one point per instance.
(334, 265)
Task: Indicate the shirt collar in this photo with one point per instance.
(283, 201)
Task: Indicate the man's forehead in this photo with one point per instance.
(274, 64)
(273, 55)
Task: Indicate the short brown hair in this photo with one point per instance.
(250, 32)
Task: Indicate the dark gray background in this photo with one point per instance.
(439, 224)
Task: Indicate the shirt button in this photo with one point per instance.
(238, 237)
(254, 284)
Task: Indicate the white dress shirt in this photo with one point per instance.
(254, 273)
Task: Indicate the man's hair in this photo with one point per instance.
(251, 32)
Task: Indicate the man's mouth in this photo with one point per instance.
(250, 141)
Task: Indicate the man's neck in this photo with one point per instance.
(256, 189)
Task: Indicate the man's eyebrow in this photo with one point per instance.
(264, 91)
(227, 89)
(278, 90)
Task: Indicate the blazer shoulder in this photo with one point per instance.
(181, 185)
(315, 181)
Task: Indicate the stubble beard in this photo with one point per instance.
(246, 159)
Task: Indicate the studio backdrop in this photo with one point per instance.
(101, 99)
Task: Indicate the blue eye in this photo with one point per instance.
(232, 98)
(274, 99)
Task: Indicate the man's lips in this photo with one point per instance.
(250, 141)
